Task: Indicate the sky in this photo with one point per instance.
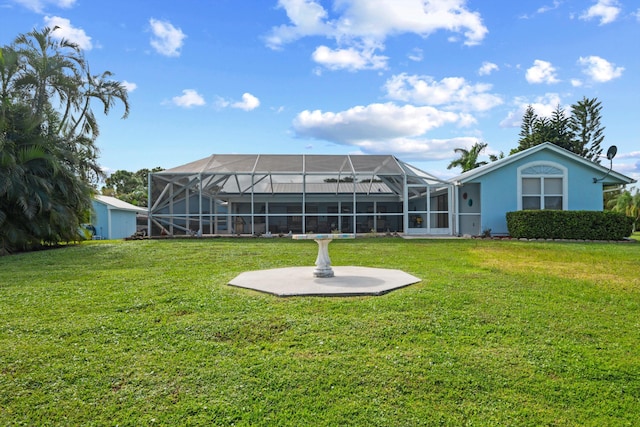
(411, 78)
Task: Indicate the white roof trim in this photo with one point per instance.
(483, 170)
(114, 203)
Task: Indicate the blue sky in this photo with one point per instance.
(412, 78)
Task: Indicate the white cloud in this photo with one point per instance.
(375, 122)
(378, 20)
(67, 31)
(629, 155)
(599, 70)
(167, 40)
(487, 68)
(543, 106)
(377, 128)
(416, 55)
(39, 5)
(605, 10)
(451, 92)
(547, 8)
(189, 98)
(416, 148)
(362, 25)
(248, 103)
(129, 86)
(307, 18)
(542, 9)
(542, 72)
(348, 59)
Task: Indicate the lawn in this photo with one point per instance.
(147, 332)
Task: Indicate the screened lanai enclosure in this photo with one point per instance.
(281, 194)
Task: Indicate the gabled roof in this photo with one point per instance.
(612, 177)
(113, 203)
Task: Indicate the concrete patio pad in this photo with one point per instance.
(347, 281)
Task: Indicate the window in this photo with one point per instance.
(542, 185)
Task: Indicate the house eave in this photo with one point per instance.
(599, 170)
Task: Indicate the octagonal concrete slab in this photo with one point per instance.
(347, 281)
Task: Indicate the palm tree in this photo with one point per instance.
(48, 155)
(50, 69)
(79, 123)
(9, 66)
(469, 158)
(105, 90)
(629, 204)
(26, 169)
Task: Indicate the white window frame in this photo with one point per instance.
(544, 169)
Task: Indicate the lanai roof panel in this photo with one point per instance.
(340, 165)
(327, 164)
(231, 163)
(283, 163)
(376, 164)
(192, 167)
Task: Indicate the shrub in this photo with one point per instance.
(552, 224)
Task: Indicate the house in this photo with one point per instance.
(256, 194)
(279, 194)
(542, 177)
(114, 219)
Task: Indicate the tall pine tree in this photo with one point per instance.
(560, 132)
(588, 132)
(581, 133)
(527, 130)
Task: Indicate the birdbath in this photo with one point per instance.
(323, 262)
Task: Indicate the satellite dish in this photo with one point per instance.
(611, 153)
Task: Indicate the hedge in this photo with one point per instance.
(583, 225)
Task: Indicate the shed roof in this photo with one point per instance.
(114, 203)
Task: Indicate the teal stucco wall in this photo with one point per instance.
(122, 223)
(499, 189)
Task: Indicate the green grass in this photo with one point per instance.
(147, 332)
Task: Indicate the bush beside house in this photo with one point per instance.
(556, 224)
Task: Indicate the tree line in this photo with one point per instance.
(132, 187)
(580, 132)
(48, 133)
